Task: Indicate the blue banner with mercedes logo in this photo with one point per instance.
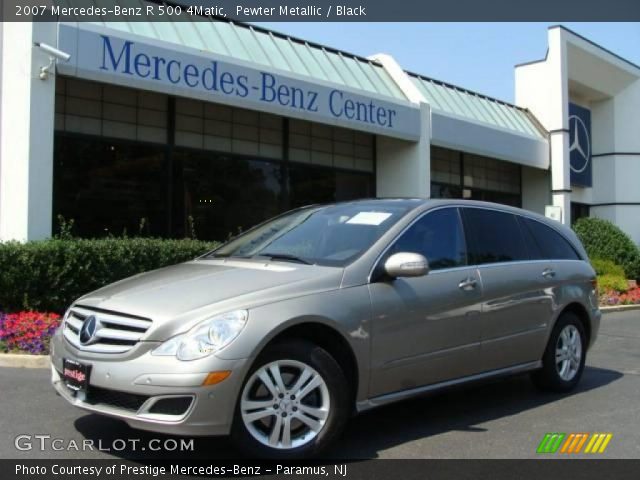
(580, 145)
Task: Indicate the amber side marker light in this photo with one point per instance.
(216, 377)
(594, 284)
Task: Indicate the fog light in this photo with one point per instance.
(216, 377)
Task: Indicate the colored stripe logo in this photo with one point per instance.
(574, 443)
(598, 443)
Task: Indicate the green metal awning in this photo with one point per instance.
(281, 52)
(259, 46)
(459, 102)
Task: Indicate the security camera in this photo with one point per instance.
(54, 52)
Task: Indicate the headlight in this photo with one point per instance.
(206, 337)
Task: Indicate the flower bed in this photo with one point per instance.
(27, 332)
(612, 298)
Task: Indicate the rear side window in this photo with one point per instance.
(551, 245)
(438, 236)
(493, 236)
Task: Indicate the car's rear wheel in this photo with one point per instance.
(564, 357)
(294, 402)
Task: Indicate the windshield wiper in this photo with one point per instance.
(284, 256)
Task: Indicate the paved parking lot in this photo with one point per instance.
(504, 419)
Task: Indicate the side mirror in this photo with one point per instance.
(405, 264)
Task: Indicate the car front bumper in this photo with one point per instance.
(128, 387)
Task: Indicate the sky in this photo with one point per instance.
(476, 56)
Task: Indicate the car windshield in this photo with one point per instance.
(332, 235)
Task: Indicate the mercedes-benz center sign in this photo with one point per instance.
(134, 61)
(580, 145)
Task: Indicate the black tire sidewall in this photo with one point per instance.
(548, 377)
(335, 379)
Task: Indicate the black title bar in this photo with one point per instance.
(116, 469)
(319, 10)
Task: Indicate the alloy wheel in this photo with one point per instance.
(285, 404)
(568, 353)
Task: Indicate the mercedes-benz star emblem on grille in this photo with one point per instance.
(89, 330)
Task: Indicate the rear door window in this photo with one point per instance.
(535, 253)
(493, 237)
(551, 244)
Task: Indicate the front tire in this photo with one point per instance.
(564, 357)
(293, 404)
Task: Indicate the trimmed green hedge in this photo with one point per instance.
(607, 267)
(611, 277)
(602, 239)
(616, 283)
(48, 275)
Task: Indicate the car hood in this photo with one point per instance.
(193, 290)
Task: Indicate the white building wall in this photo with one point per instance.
(1, 43)
(26, 142)
(616, 144)
(602, 118)
(535, 189)
(627, 217)
(532, 90)
(542, 87)
(626, 106)
(395, 176)
(403, 169)
(474, 137)
(616, 161)
(575, 70)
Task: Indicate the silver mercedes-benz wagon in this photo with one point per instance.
(279, 335)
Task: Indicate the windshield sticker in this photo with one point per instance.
(369, 218)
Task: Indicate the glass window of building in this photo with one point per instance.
(137, 162)
(578, 211)
(317, 144)
(110, 187)
(457, 174)
(222, 195)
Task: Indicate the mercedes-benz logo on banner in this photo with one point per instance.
(580, 143)
(89, 330)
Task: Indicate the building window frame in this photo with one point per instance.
(461, 186)
(172, 166)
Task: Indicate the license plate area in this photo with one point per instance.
(75, 375)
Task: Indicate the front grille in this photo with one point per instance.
(171, 406)
(114, 332)
(123, 400)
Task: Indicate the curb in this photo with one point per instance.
(619, 308)
(18, 360)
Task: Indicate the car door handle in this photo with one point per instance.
(548, 273)
(468, 284)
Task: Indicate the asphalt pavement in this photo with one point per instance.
(502, 419)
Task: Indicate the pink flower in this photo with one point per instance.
(28, 331)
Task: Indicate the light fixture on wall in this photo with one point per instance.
(54, 54)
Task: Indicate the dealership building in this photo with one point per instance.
(213, 126)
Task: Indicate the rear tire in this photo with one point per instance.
(294, 402)
(564, 357)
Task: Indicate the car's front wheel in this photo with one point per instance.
(294, 402)
(564, 357)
